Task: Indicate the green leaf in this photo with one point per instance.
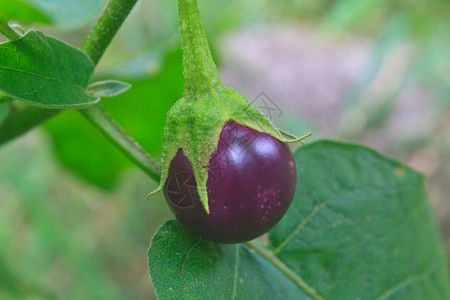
(183, 266)
(46, 72)
(360, 227)
(21, 11)
(108, 88)
(363, 219)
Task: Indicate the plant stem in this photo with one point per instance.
(200, 71)
(94, 45)
(106, 28)
(8, 32)
(277, 263)
(116, 135)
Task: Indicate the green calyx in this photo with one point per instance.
(195, 122)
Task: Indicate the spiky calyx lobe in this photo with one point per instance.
(195, 122)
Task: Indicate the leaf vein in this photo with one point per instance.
(408, 281)
(186, 259)
(41, 76)
(283, 268)
(300, 227)
(393, 189)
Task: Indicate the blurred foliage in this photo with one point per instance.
(71, 240)
(74, 241)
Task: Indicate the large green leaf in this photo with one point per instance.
(46, 72)
(360, 227)
(183, 266)
(141, 111)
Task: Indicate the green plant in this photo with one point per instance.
(359, 226)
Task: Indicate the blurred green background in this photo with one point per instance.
(74, 222)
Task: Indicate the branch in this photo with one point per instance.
(117, 136)
(94, 45)
(106, 28)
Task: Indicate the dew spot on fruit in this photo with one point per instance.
(236, 155)
(265, 147)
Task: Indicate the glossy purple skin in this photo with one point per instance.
(251, 183)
